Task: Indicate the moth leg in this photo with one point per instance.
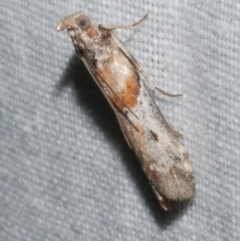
(119, 118)
(164, 92)
(178, 134)
(139, 68)
(113, 27)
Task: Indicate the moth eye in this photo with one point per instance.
(83, 22)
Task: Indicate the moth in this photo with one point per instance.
(123, 83)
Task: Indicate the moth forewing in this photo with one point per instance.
(117, 73)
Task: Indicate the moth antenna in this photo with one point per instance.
(114, 27)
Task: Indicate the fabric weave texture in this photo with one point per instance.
(66, 171)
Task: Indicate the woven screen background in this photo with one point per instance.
(66, 171)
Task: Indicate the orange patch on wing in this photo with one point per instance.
(105, 74)
(131, 85)
(131, 92)
(127, 95)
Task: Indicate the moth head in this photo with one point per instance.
(83, 22)
(78, 20)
